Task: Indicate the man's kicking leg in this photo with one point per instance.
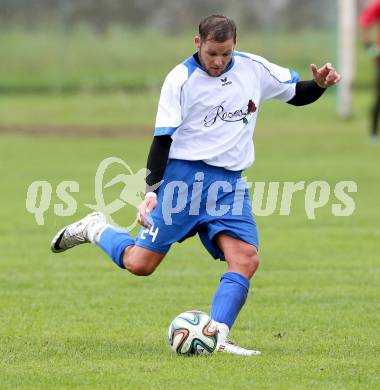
(243, 261)
(117, 243)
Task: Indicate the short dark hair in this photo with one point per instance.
(217, 28)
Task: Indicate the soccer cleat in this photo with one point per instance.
(78, 232)
(230, 347)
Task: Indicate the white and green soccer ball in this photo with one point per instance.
(193, 333)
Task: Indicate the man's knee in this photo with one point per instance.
(140, 262)
(246, 262)
(139, 269)
(252, 260)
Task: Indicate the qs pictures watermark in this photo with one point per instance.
(267, 198)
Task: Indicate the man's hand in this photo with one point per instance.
(145, 208)
(326, 76)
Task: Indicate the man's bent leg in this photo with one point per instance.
(120, 247)
(233, 289)
(141, 261)
(241, 256)
(117, 243)
(114, 241)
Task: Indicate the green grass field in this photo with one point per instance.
(46, 60)
(76, 321)
(74, 78)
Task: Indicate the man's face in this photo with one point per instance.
(214, 56)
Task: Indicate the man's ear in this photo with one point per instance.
(197, 41)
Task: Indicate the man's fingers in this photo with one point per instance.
(330, 76)
(338, 79)
(326, 75)
(314, 69)
(325, 71)
(144, 210)
(139, 218)
(333, 77)
(150, 205)
(142, 220)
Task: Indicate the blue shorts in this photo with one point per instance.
(199, 198)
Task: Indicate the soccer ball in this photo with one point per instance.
(193, 333)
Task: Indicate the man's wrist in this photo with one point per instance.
(319, 85)
(150, 194)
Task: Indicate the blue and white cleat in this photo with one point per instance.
(80, 232)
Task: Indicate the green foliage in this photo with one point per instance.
(75, 320)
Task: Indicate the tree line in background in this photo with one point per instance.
(169, 16)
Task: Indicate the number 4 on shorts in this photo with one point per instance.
(152, 232)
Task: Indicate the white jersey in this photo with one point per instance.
(212, 119)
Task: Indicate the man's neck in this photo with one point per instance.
(196, 58)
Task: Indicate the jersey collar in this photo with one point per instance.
(197, 63)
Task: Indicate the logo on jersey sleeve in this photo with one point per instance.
(219, 113)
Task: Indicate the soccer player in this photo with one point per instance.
(370, 18)
(202, 142)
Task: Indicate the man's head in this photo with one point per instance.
(216, 42)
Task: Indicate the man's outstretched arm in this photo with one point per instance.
(309, 91)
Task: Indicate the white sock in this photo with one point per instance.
(223, 331)
(94, 232)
